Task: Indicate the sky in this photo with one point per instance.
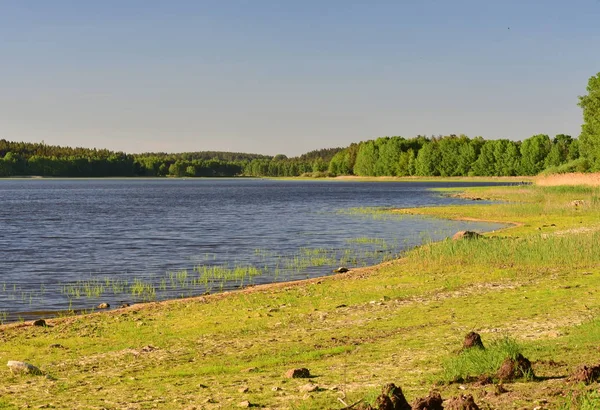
(288, 77)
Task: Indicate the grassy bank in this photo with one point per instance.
(532, 288)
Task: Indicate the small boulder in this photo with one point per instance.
(432, 402)
(22, 367)
(39, 322)
(462, 403)
(515, 368)
(466, 235)
(103, 306)
(472, 339)
(300, 373)
(586, 374)
(245, 404)
(341, 269)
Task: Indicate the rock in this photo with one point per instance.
(515, 368)
(586, 374)
(466, 235)
(462, 403)
(577, 202)
(244, 389)
(432, 402)
(124, 305)
(245, 404)
(275, 388)
(103, 306)
(396, 396)
(341, 269)
(301, 373)
(22, 367)
(472, 339)
(309, 388)
(39, 322)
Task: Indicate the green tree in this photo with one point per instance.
(339, 164)
(389, 157)
(366, 159)
(534, 151)
(485, 163)
(590, 129)
(428, 159)
(178, 168)
(450, 155)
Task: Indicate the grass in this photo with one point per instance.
(403, 322)
(588, 400)
(475, 362)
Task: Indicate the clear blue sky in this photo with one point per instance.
(290, 76)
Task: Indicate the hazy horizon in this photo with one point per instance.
(272, 78)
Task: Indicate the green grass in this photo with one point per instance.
(475, 362)
(587, 400)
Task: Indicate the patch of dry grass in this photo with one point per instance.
(576, 178)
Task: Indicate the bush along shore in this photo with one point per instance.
(509, 319)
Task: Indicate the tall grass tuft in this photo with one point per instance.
(474, 362)
(571, 250)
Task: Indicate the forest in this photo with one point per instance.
(451, 155)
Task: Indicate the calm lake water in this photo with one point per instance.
(71, 244)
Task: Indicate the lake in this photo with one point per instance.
(71, 244)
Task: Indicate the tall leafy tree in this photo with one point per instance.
(485, 163)
(428, 160)
(533, 154)
(366, 159)
(590, 129)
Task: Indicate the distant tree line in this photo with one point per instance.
(387, 156)
(455, 156)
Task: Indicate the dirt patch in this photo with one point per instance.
(473, 339)
(462, 403)
(432, 402)
(586, 374)
(512, 369)
(466, 235)
(301, 373)
(396, 397)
